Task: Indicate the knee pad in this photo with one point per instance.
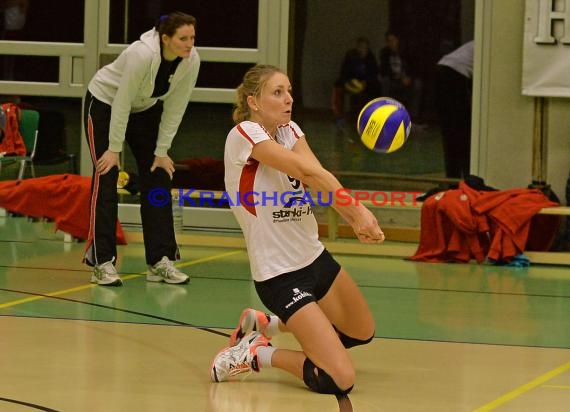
(320, 381)
(349, 342)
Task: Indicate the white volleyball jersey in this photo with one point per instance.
(280, 230)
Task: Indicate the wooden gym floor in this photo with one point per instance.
(449, 337)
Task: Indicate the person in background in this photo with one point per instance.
(358, 79)
(139, 98)
(14, 15)
(396, 76)
(296, 278)
(454, 82)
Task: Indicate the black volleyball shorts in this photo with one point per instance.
(285, 294)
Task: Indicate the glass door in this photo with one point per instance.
(50, 50)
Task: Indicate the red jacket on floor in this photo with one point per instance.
(510, 213)
(62, 198)
(450, 232)
(463, 224)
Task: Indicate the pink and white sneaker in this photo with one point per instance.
(249, 321)
(238, 359)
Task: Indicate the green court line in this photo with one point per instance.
(524, 388)
(124, 278)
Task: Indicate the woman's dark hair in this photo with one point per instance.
(169, 23)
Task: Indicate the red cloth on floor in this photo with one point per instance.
(63, 198)
(450, 232)
(463, 224)
(511, 213)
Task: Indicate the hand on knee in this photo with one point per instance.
(320, 381)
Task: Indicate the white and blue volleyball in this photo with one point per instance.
(384, 125)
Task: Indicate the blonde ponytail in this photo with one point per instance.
(253, 82)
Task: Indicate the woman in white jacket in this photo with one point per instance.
(139, 98)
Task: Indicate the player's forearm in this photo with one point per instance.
(330, 190)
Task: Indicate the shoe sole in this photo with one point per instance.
(239, 332)
(213, 373)
(116, 282)
(242, 330)
(158, 279)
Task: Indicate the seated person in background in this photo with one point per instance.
(396, 76)
(358, 78)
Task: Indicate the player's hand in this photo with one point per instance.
(165, 163)
(376, 237)
(367, 229)
(107, 161)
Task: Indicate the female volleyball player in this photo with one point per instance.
(267, 154)
(141, 98)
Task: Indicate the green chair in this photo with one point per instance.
(29, 122)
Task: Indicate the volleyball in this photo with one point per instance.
(355, 86)
(384, 125)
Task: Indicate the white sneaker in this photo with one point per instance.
(165, 271)
(235, 360)
(106, 274)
